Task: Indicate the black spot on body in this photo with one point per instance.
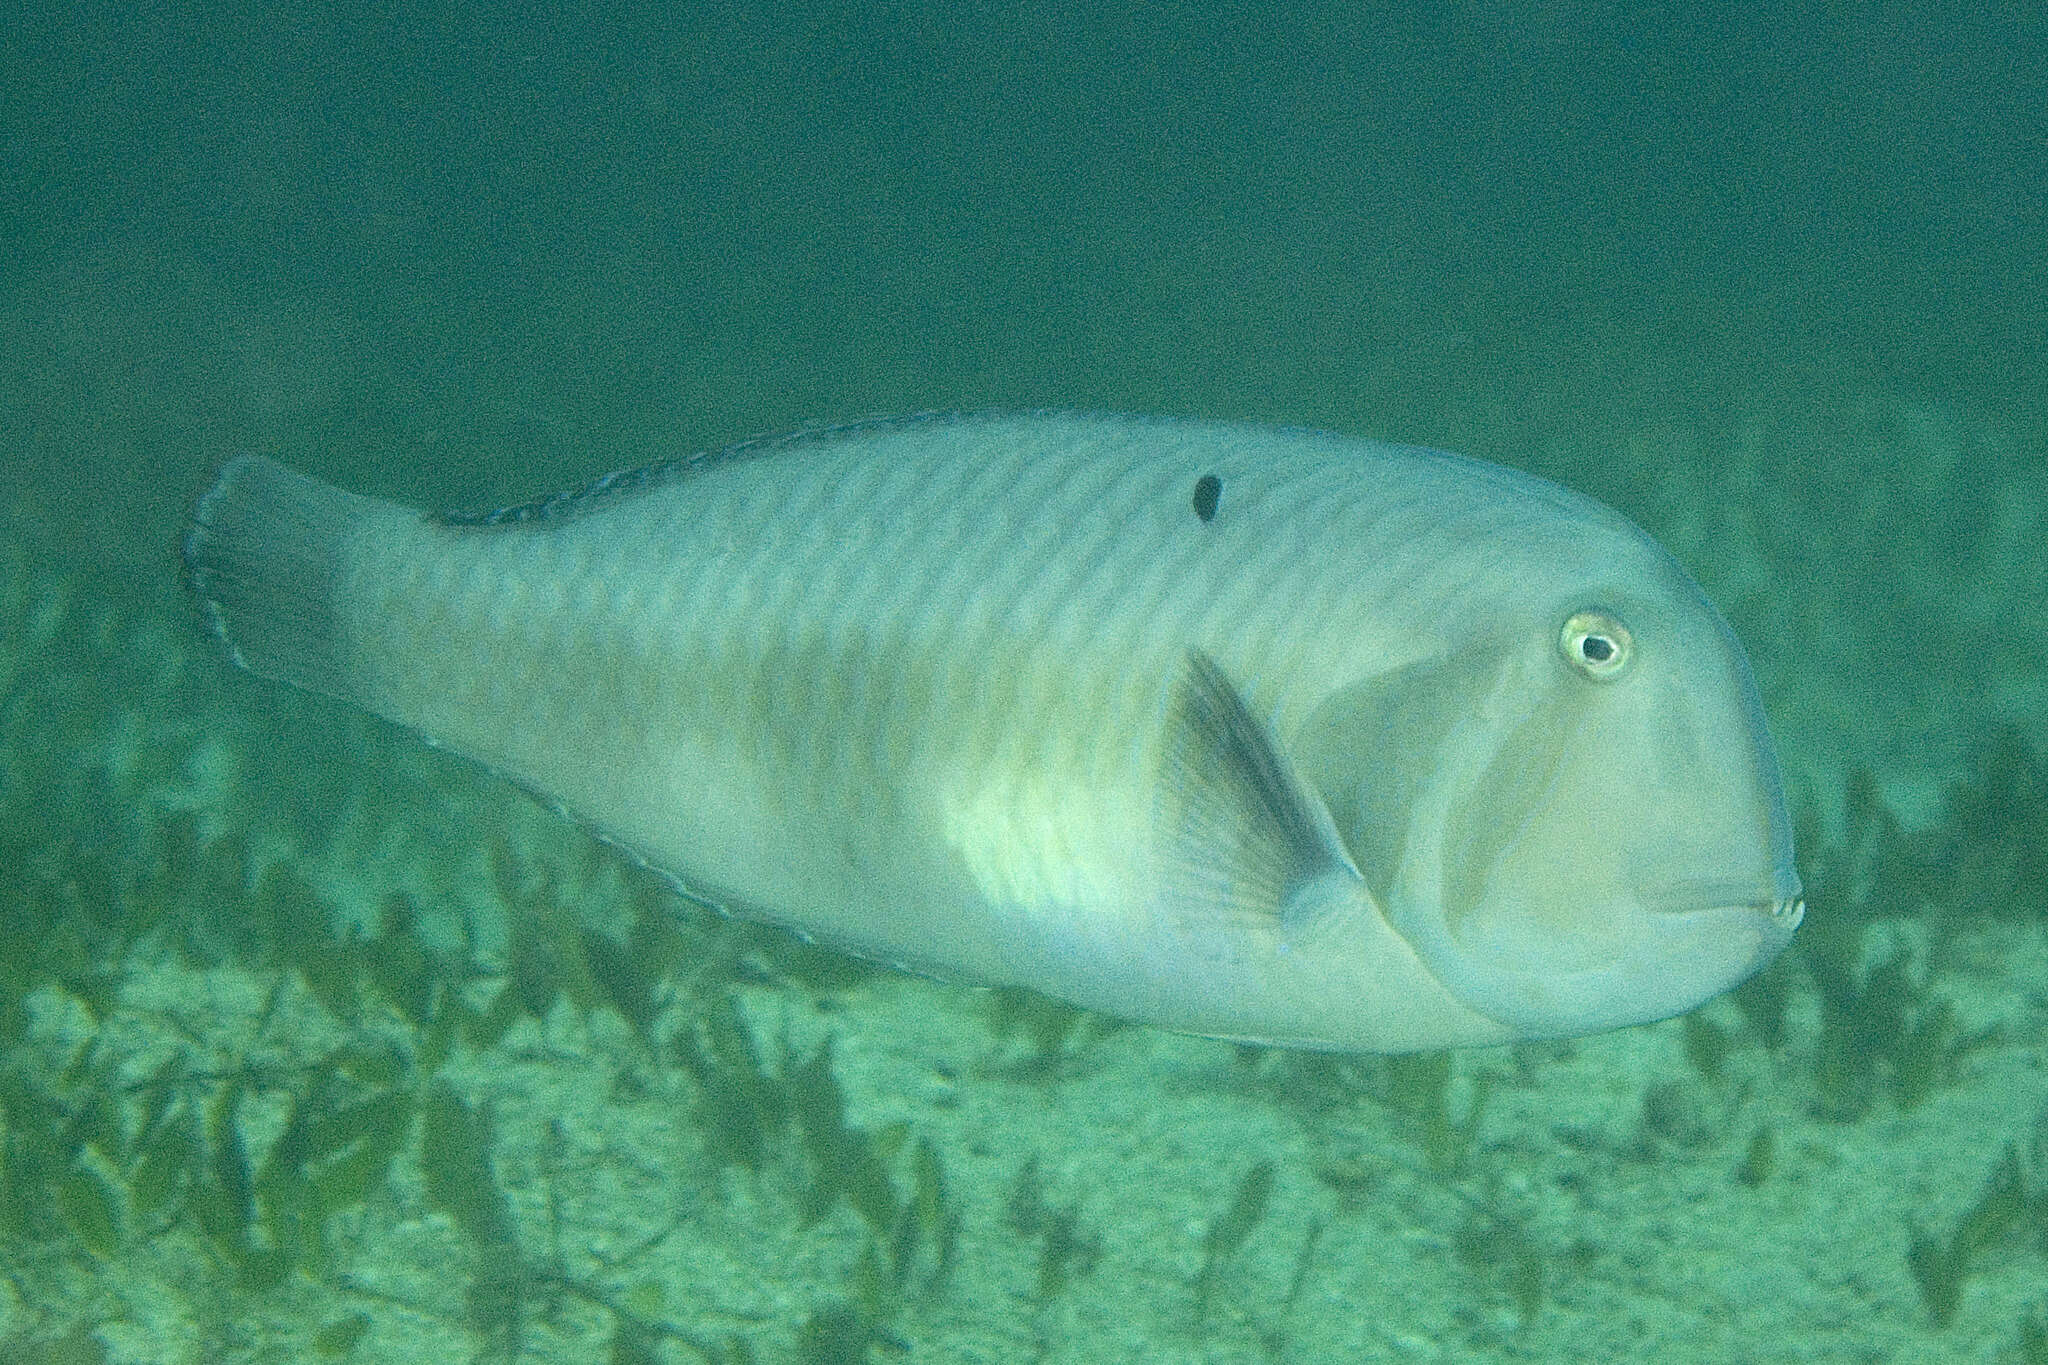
(1208, 492)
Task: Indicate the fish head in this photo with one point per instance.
(1571, 810)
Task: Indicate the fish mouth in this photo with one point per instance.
(1780, 916)
(1771, 919)
(1781, 902)
(1783, 916)
(1789, 911)
(1673, 952)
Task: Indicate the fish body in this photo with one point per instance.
(1260, 733)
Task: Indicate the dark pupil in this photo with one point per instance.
(1596, 649)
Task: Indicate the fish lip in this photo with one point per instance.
(1787, 911)
(1773, 916)
(1776, 899)
(1675, 959)
(1773, 920)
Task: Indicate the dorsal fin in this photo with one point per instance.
(604, 487)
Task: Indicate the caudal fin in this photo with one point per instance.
(265, 554)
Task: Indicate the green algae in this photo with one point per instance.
(1228, 1231)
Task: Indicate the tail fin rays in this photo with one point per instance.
(266, 555)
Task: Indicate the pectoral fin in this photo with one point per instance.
(1243, 834)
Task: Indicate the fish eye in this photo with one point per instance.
(1596, 644)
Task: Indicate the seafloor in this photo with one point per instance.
(316, 1044)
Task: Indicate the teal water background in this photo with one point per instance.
(1770, 280)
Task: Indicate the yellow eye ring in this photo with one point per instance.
(1597, 645)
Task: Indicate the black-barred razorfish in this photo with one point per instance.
(1266, 734)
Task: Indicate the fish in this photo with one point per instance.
(1253, 732)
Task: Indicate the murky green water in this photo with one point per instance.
(317, 1045)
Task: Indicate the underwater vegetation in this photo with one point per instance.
(269, 1088)
(1883, 1018)
(275, 1144)
(1941, 1263)
(1893, 911)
